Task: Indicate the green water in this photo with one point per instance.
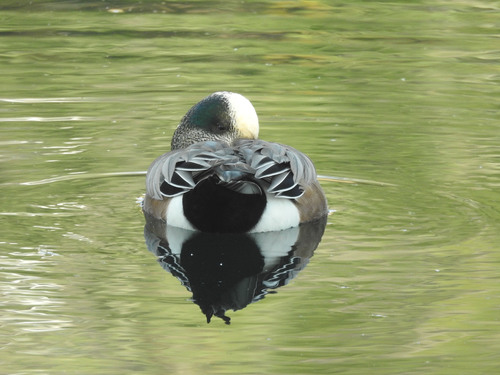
(397, 100)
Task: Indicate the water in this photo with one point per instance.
(398, 101)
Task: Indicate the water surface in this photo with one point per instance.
(398, 101)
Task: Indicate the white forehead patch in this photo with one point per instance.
(246, 120)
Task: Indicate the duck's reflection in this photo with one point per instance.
(230, 271)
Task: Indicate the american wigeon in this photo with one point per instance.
(220, 178)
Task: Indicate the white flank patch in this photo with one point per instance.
(279, 214)
(175, 214)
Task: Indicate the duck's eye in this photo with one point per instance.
(221, 127)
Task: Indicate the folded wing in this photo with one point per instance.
(248, 167)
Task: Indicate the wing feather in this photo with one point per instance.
(279, 169)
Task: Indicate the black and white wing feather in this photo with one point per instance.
(284, 170)
(247, 167)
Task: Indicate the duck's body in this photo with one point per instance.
(220, 178)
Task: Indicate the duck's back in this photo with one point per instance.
(251, 185)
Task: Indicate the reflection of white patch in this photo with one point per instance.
(279, 214)
(176, 238)
(175, 214)
(275, 245)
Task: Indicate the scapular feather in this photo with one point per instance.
(276, 168)
(192, 165)
(169, 190)
(294, 193)
(282, 182)
(272, 170)
(182, 179)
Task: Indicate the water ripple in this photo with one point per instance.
(47, 100)
(76, 176)
(46, 119)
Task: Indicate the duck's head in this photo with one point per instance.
(223, 116)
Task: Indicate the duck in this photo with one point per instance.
(219, 177)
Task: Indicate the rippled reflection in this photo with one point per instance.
(230, 271)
